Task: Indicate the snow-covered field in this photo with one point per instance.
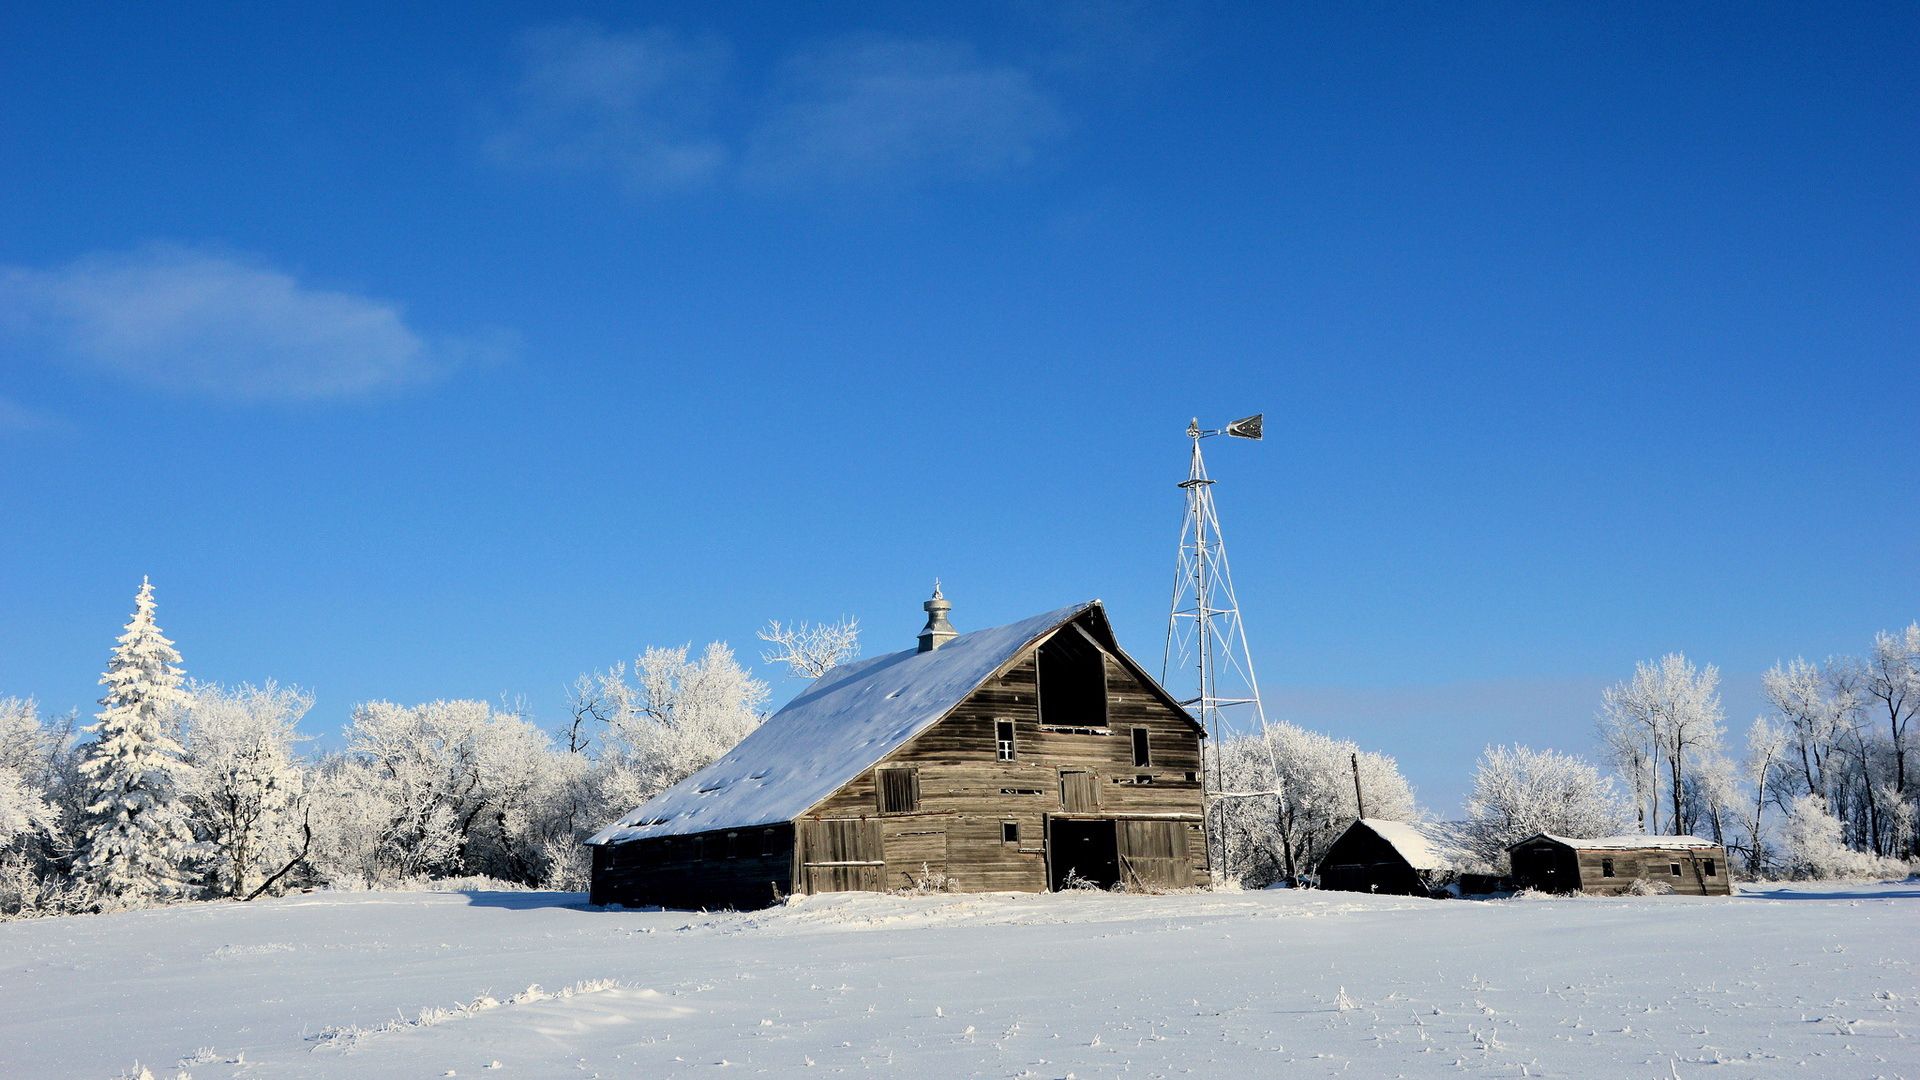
(1778, 982)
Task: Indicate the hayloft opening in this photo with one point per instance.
(1072, 674)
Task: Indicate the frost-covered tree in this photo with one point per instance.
(1892, 686)
(243, 783)
(137, 842)
(672, 717)
(1659, 726)
(26, 754)
(1518, 792)
(810, 650)
(1812, 845)
(448, 787)
(1273, 837)
(1813, 707)
(1768, 746)
(423, 766)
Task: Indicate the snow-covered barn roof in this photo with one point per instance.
(1425, 845)
(845, 723)
(1628, 842)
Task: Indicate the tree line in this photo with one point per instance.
(182, 789)
(1822, 785)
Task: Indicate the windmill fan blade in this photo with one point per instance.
(1246, 428)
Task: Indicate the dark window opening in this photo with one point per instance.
(766, 841)
(733, 845)
(1193, 778)
(899, 790)
(1676, 869)
(1072, 674)
(699, 848)
(1147, 779)
(1712, 869)
(1606, 867)
(1003, 738)
(1009, 832)
(1021, 791)
(1141, 755)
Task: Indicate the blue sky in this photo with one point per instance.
(450, 353)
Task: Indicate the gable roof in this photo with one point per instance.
(1627, 842)
(1425, 845)
(845, 723)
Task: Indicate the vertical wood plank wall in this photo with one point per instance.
(967, 794)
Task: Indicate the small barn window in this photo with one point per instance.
(699, 848)
(766, 841)
(1003, 739)
(1712, 868)
(733, 845)
(1606, 867)
(1142, 757)
(1676, 869)
(1072, 676)
(1009, 832)
(899, 790)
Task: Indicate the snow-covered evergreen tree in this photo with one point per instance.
(136, 844)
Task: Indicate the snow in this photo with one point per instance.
(854, 716)
(1797, 980)
(1425, 845)
(1634, 841)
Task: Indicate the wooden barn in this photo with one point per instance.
(1403, 858)
(1611, 864)
(1002, 760)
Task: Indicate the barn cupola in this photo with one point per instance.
(938, 630)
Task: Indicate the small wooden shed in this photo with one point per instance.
(1611, 864)
(1403, 858)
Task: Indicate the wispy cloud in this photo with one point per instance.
(636, 104)
(212, 324)
(17, 418)
(662, 110)
(857, 109)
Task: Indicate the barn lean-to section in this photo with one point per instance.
(1020, 758)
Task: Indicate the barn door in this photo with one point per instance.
(1079, 791)
(842, 855)
(1153, 854)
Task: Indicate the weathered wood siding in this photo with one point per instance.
(734, 868)
(1554, 867)
(1656, 866)
(967, 794)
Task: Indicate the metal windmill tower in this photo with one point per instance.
(1207, 665)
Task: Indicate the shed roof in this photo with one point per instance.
(1626, 842)
(845, 723)
(1425, 845)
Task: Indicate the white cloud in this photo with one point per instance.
(661, 110)
(859, 108)
(196, 322)
(632, 103)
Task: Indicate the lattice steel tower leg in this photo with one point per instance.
(1207, 665)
